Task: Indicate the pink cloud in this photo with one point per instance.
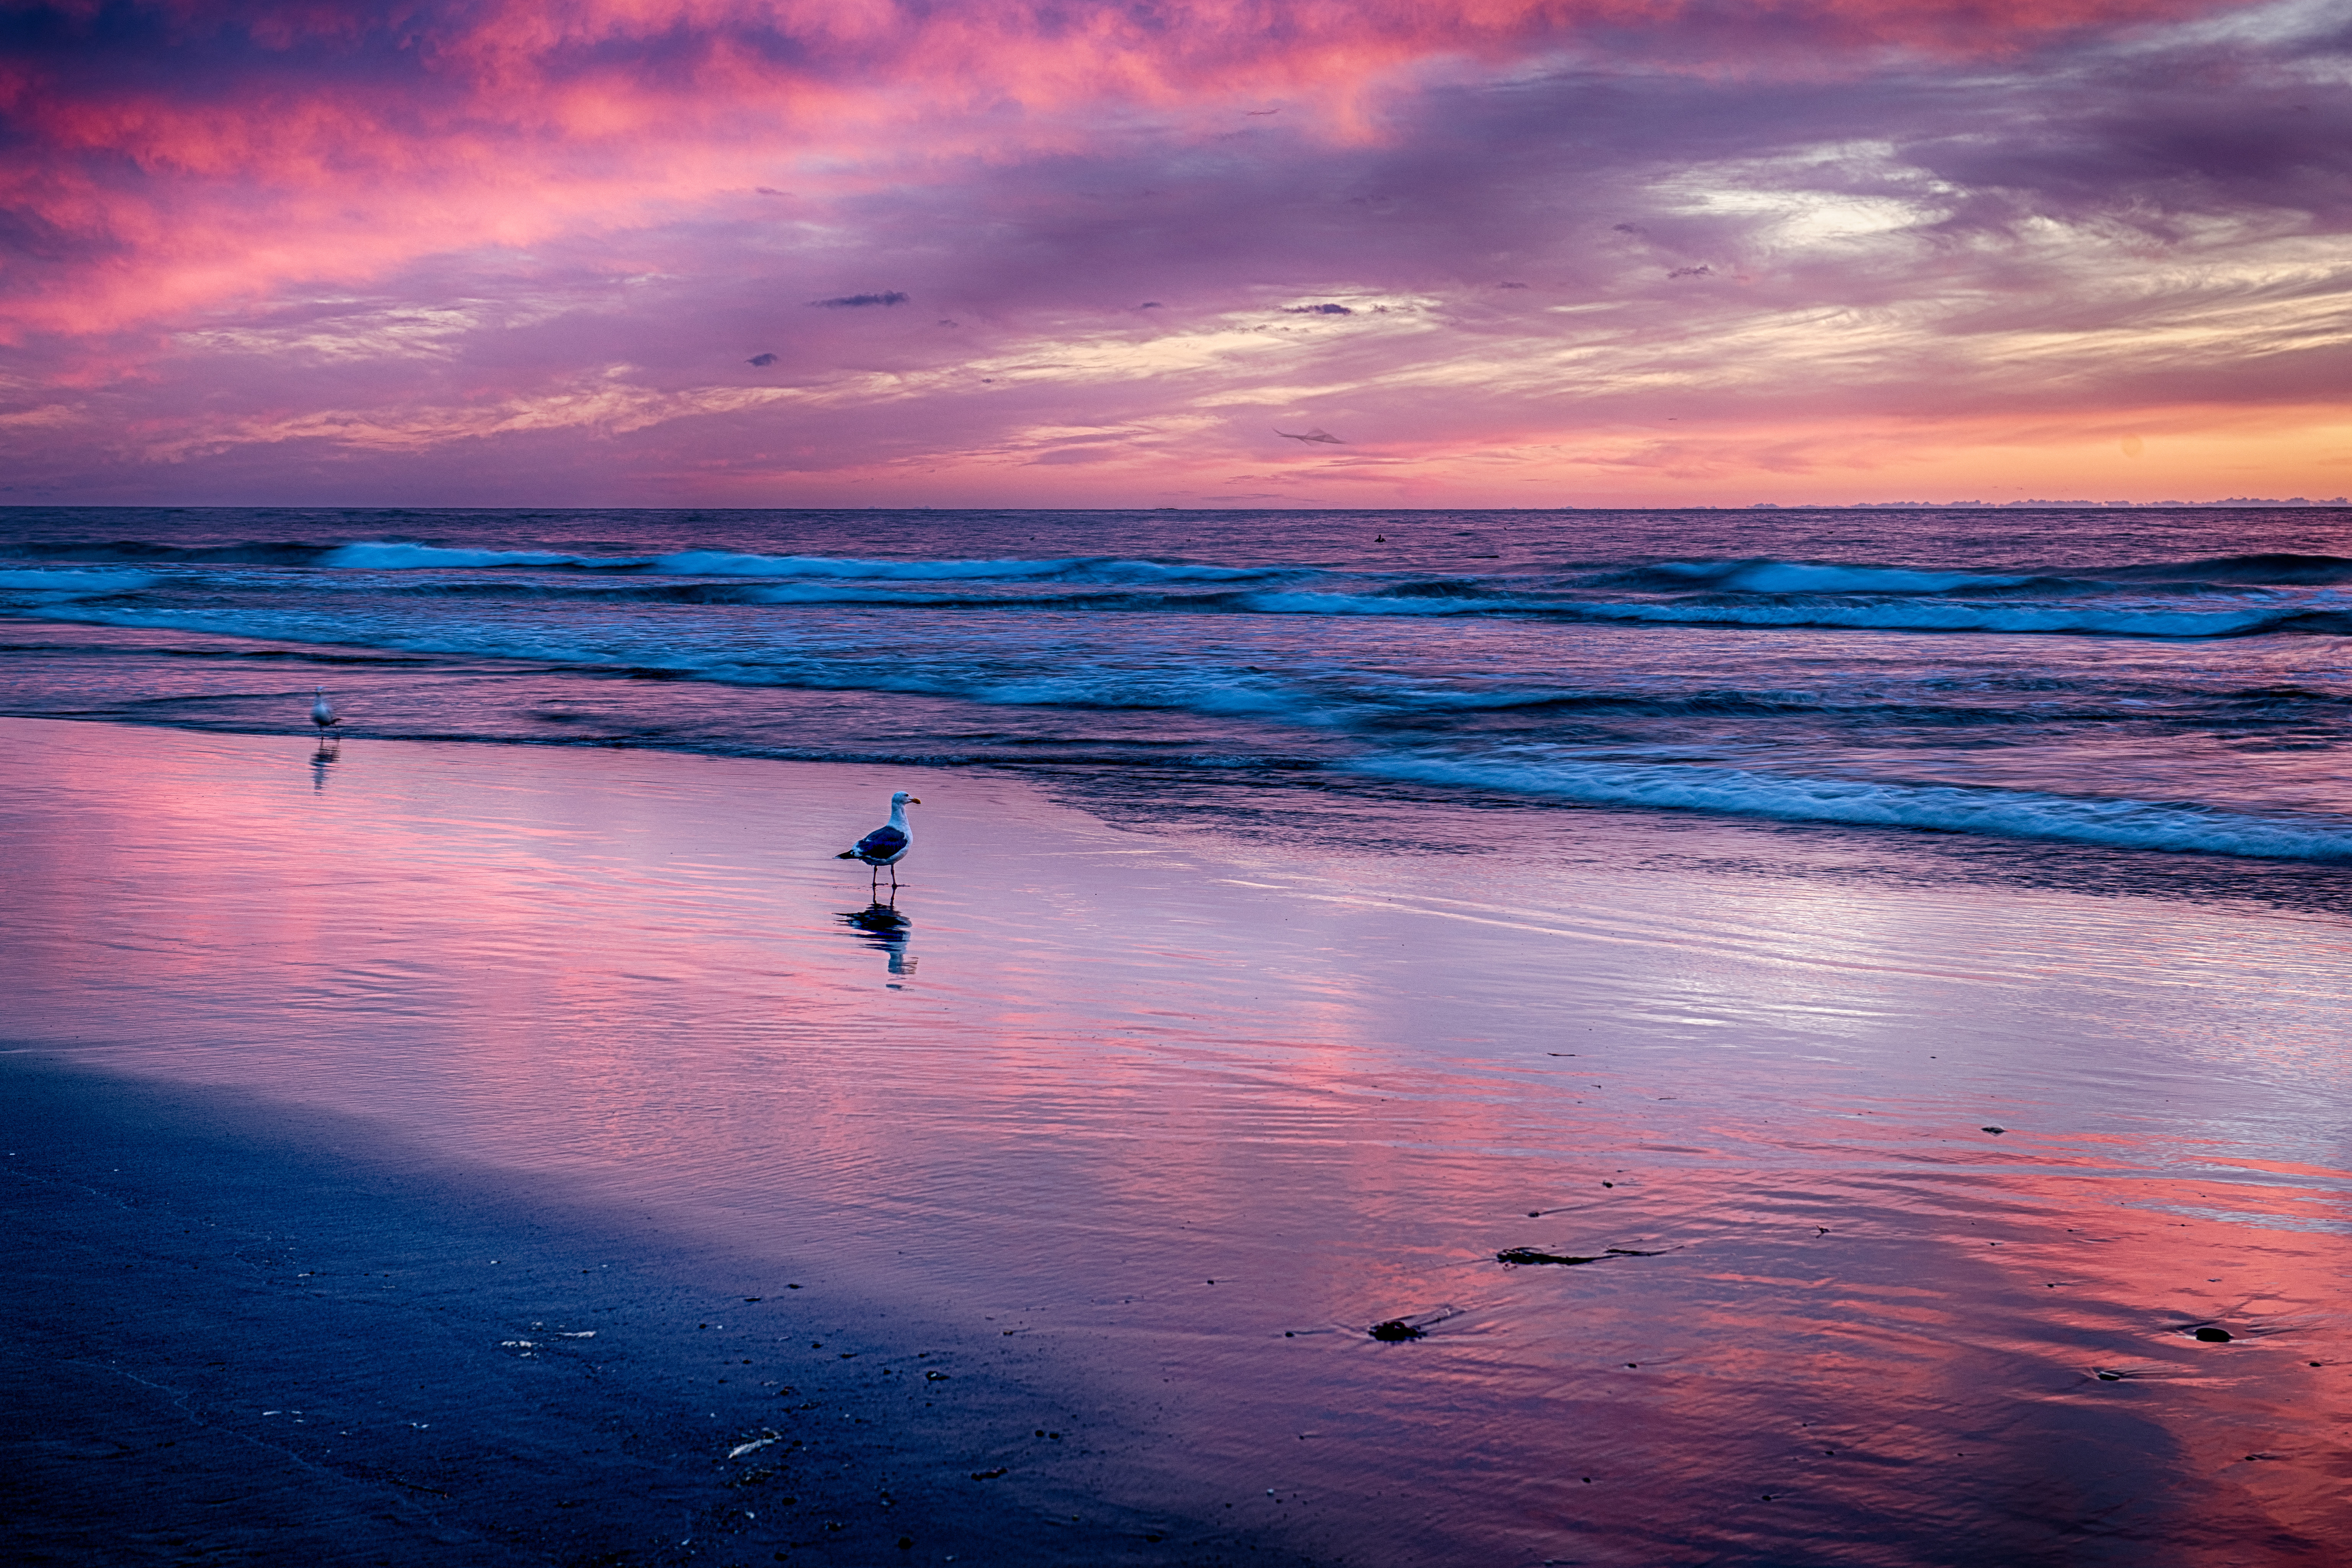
(255, 251)
(188, 152)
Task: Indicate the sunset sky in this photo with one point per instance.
(1010, 252)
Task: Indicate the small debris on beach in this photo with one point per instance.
(2214, 1336)
(754, 1446)
(1395, 1330)
(1994, 1129)
(987, 1475)
(1523, 1257)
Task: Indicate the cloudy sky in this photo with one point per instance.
(1173, 252)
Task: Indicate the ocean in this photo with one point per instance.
(2139, 679)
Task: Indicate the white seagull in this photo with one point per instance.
(323, 712)
(887, 845)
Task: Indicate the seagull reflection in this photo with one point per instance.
(882, 926)
(328, 754)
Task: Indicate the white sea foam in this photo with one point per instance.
(719, 564)
(2017, 814)
(2113, 617)
(37, 587)
(395, 556)
(1805, 577)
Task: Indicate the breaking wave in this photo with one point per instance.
(2214, 596)
(27, 588)
(1768, 576)
(714, 563)
(393, 555)
(396, 555)
(2330, 614)
(1949, 808)
(2322, 613)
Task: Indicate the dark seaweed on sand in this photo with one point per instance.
(1527, 1256)
(1394, 1330)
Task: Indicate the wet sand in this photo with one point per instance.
(238, 1332)
(1185, 1101)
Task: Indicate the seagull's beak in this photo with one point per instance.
(912, 801)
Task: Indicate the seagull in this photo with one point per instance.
(323, 712)
(1312, 433)
(887, 845)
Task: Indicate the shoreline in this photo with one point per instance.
(241, 1332)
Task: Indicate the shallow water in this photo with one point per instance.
(1196, 1099)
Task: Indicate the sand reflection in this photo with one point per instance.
(1197, 1132)
(329, 752)
(881, 925)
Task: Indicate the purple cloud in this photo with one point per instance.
(2094, 224)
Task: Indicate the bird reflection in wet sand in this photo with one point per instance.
(882, 926)
(329, 753)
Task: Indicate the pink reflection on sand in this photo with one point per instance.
(1129, 1066)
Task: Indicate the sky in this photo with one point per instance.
(1329, 253)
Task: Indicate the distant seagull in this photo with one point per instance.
(323, 712)
(763, 361)
(1314, 433)
(887, 845)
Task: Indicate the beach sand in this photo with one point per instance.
(239, 1334)
(1138, 1123)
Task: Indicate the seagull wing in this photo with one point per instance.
(880, 844)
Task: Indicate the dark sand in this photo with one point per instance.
(238, 1334)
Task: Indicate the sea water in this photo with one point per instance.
(2168, 680)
